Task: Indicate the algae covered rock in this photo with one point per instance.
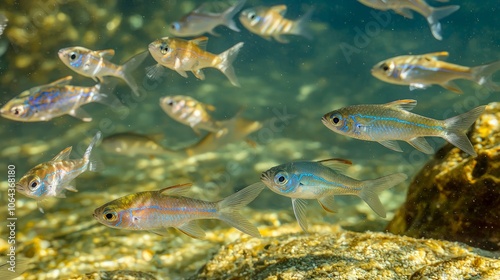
(456, 197)
(331, 253)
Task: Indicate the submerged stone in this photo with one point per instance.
(456, 197)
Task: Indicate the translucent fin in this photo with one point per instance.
(458, 125)
(450, 85)
(108, 54)
(391, 144)
(328, 203)
(182, 73)
(199, 74)
(61, 195)
(61, 82)
(192, 229)
(372, 188)
(81, 114)
(280, 38)
(160, 232)
(299, 209)
(421, 145)
(404, 12)
(96, 165)
(226, 61)
(154, 72)
(39, 204)
(437, 55)
(96, 138)
(336, 164)
(228, 208)
(438, 14)
(176, 190)
(63, 155)
(71, 188)
(301, 26)
(404, 104)
(129, 67)
(201, 42)
(280, 9)
(483, 75)
(418, 86)
(227, 16)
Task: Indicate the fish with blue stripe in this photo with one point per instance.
(154, 211)
(52, 178)
(45, 102)
(322, 180)
(385, 123)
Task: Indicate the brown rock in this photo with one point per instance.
(456, 197)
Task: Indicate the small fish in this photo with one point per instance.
(421, 71)
(269, 22)
(200, 21)
(182, 55)
(133, 144)
(322, 181)
(385, 123)
(190, 111)
(50, 179)
(94, 64)
(46, 102)
(405, 7)
(155, 211)
(234, 130)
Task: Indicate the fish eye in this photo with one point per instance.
(281, 178)
(170, 102)
(109, 216)
(72, 56)
(251, 15)
(164, 48)
(175, 26)
(16, 111)
(384, 66)
(34, 184)
(336, 118)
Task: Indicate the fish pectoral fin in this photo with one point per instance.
(106, 53)
(404, 12)
(39, 204)
(71, 188)
(79, 113)
(436, 55)
(192, 229)
(176, 190)
(452, 86)
(336, 164)
(299, 209)
(199, 74)
(418, 86)
(391, 144)
(280, 9)
(182, 73)
(61, 82)
(159, 231)
(328, 203)
(422, 145)
(63, 155)
(280, 38)
(404, 104)
(154, 72)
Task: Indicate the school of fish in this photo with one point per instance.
(322, 180)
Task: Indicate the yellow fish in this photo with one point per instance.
(269, 22)
(421, 71)
(183, 55)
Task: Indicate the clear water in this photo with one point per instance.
(304, 78)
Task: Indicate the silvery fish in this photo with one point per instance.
(190, 111)
(155, 211)
(421, 71)
(200, 21)
(133, 144)
(94, 64)
(269, 22)
(405, 8)
(46, 102)
(3, 23)
(182, 55)
(385, 123)
(322, 181)
(50, 179)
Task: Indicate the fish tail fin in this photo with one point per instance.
(92, 165)
(129, 67)
(457, 126)
(226, 63)
(438, 14)
(483, 75)
(227, 16)
(301, 26)
(107, 98)
(372, 188)
(228, 208)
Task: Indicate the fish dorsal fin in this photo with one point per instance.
(209, 107)
(280, 9)
(337, 164)
(201, 42)
(61, 82)
(436, 55)
(63, 155)
(203, 8)
(404, 104)
(106, 53)
(176, 190)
